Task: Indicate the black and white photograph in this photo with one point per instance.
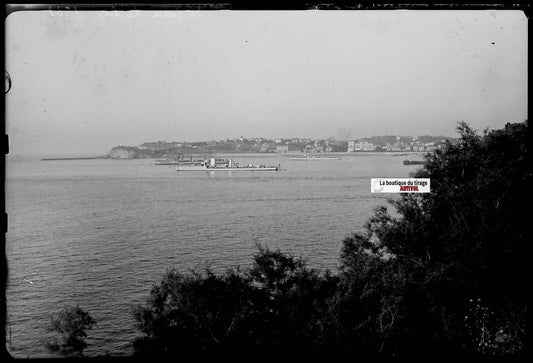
(204, 179)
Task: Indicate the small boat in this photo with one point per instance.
(212, 165)
(413, 162)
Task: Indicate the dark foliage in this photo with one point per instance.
(277, 304)
(445, 277)
(70, 326)
(449, 275)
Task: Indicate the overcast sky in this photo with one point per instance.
(83, 82)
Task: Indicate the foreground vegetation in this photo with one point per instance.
(446, 277)
(69, 327)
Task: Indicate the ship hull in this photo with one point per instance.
(173, 163)
(204, 168)
(306, 159)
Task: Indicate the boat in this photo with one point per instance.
(174, 162)
(315, 157)
(179, 160)
(211, 165)
(413, 162)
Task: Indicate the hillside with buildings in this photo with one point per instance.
(424, 143)
(168, 149)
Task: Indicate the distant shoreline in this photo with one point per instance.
(243, 154)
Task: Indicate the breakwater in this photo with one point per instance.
(86, 158)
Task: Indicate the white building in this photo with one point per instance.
(360, 146)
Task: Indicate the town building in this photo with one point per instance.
(360, 146)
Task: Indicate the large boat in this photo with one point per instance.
(174, 162)
(315, 157)
(179, 160)
(212, 165)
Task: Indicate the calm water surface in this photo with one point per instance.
(100, 233)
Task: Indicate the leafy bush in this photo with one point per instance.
(70, 326)
(275, 304)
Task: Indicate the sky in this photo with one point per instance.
(84, 82)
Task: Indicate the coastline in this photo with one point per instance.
(229, 154)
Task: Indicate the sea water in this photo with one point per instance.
(100, 233)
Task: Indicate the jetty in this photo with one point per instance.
(86, 158)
